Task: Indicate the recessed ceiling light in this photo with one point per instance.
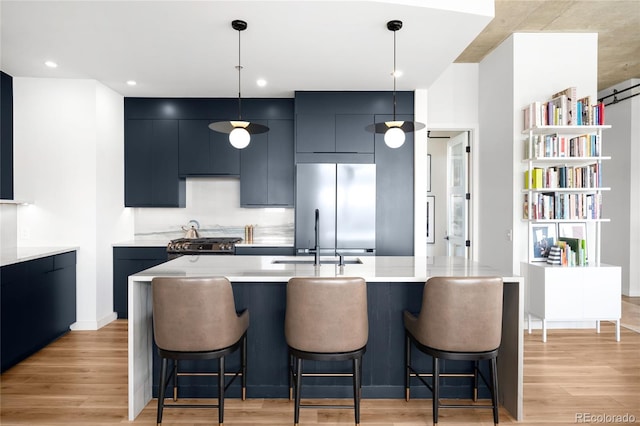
(51, 64)
(131, 83)
(398, 73)
(261, 82)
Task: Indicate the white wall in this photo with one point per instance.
(215, 203)
(68, 145)
(453, 105)
(526, 67)
(621, 236)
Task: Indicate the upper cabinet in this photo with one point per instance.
(266, 167)
(6, 136)
(150, 166)
(168, 139)
(204, 152)
(330, 126)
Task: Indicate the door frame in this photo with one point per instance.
(420, 186)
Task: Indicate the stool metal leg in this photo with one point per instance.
(356, 388)
(436, 389)
(243, 361)
(291, 367)
(407, 367)
(475, 380)
(221, 390)
(494, 390)
(175, 379)
(162, 384)
(296, 389)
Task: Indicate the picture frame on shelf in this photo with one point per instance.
(572, 230)
(431, 219)
(543, 237)
(428, 172)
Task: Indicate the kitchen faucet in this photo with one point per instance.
(316, 249)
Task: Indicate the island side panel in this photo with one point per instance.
(140, 343)
(510, 357)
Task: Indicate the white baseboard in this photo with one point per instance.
(94, 325)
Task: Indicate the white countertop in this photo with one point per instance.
(9, 256)
(143, 243)
(372, 268)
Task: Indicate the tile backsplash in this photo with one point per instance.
(215, 204)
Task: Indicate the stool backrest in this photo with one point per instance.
(461, 314)
(195, 314)
(326, 314)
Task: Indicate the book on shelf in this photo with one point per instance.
(571, 104)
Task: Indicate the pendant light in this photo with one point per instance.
(394, 130)
(239, 131)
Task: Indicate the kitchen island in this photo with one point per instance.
(394, 283)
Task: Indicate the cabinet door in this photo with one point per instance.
(281, 163)
(351, 135)
(254, 172)
(151, 164)
(315, 133)
(6, 136)
(225, 159)
(128, 261)
(165, 188)
(194, 147)
(266, 177)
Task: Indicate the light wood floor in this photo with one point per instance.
(81, 379)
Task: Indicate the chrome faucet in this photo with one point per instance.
(316, 249)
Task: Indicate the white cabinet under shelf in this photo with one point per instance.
(586, 293)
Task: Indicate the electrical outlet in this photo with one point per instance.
(25, 232)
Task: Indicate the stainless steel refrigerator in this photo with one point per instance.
(345, 195)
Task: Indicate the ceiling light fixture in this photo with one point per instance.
(51, 64)
(239, 131)
(131, 82)
(394, 130)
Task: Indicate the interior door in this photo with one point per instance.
(458, 196)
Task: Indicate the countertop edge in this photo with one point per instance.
(25, 254)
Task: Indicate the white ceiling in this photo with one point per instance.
(188, 48)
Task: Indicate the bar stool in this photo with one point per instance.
(196, 319)
(326, 320)
(460, 319)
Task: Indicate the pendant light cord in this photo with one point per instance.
(239, 79)
(394, 75)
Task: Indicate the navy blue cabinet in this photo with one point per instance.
(128, 261)
(6, 136)
(38, 304)
(267, 167)
(204, 152)
(151, 166)
(395, 194)
(265, 251)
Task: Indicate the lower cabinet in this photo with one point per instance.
(265, 251)
(38, 304)
(589, 293)
(128, 261)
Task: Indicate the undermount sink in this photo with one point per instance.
(332, 261)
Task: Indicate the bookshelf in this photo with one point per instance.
(562, 204)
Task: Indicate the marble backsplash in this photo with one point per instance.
(213, 206)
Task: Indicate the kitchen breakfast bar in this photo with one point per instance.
(394, 283)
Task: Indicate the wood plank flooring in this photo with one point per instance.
(81, 379)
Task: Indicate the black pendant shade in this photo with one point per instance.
(239, 130)
(395, 137)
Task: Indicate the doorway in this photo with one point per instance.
(448, 198)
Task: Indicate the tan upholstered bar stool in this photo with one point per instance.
(196, 319)
(460, 319)
(326, 320)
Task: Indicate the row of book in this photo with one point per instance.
(562, 206)
(564, 109)
(554, 146)
(563, 177)
(568, 252)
